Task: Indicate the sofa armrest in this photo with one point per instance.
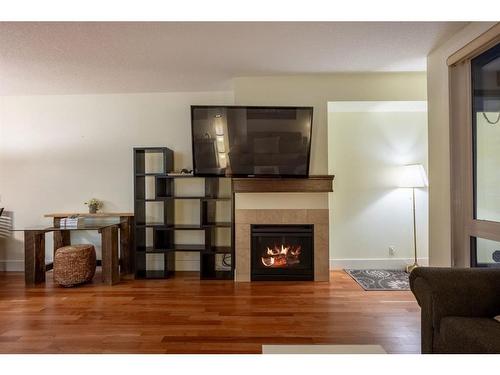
(440, 292)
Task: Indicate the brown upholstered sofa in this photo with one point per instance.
(458, 306)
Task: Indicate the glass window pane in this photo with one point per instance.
(486, 121)
(487, 252)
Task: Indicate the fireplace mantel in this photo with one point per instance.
(311, 184)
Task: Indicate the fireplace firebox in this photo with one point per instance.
(282, 252)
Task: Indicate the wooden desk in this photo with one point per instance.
(62, 238)
(34, 256)
(34, 251)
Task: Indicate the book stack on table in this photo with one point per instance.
(71, 222)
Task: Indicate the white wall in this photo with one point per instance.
(58, 151)
(439, 141)
(318, 90)
(369, 212)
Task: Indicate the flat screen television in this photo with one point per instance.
(251, 141)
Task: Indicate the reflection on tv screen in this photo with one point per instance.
(251, 141)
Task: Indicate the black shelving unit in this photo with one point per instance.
(164, 233)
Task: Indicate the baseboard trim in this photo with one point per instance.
(377, 263)
(335, 264)
(18, 265)
(11, 265)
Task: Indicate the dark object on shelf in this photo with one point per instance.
(458, 306)
(242, 141)
(163, 242)
(1, 211)
(182, 173)
(223, 262)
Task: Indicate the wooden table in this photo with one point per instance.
(62, 238)
(34, 251)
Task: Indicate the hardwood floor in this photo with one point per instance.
(186, 315)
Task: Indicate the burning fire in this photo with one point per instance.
(281, 256)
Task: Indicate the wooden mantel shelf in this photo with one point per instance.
(311, 184)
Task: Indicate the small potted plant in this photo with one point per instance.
(94, 205)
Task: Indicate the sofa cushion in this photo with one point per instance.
(468, 335)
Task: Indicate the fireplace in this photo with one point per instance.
(282, 252)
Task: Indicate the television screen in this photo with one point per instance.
(251, 141)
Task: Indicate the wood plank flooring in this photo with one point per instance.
(186, 315)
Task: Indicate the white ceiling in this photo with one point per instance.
(112, 57)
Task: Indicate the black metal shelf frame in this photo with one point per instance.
(163, 233)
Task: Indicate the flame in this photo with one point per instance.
(281, 256)
(276, 251)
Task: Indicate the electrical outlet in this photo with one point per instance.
(392, 250)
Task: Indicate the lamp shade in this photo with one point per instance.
(413, 176)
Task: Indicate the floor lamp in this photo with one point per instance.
(413, 176)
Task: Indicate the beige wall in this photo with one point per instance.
(58, 151)
(439, 151)
(369, 212)
(318, 90)
(74, 141)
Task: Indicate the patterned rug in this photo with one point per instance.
(380, 279)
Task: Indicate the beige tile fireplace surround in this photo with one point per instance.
(245, 217)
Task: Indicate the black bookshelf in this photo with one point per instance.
(164, 232)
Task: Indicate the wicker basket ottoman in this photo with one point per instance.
(74, 265)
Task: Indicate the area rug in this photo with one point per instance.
(380, 279)
(322, 349)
